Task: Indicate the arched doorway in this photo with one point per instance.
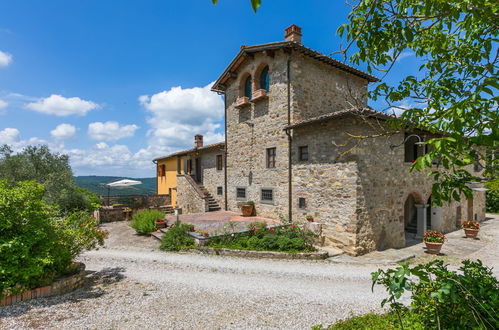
(410, 215)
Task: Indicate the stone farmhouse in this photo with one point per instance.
(294, 126)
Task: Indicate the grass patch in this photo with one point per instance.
(375, 321)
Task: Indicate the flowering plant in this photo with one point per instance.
(433, 236)
(470, 224)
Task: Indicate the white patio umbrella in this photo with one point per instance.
(121, 184)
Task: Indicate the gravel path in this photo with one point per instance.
(132, 285)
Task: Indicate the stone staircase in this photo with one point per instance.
(211, 202)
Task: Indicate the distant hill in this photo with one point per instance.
(96, 184)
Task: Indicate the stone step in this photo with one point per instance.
(157, 235)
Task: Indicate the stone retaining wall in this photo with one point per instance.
(262, 254)
(189, 197)
(58, 287)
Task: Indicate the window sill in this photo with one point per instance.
(242, 102)
(267, 202)
(259, 95)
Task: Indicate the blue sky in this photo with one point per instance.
(115, 84)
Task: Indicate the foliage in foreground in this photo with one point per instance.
(374, 321)
(177, 238)
(260, 238)
(36, 245)
(52, 170)
(442, 298)
(144, 221)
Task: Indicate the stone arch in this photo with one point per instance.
(257, 73)
(242, 83)
(418, 196)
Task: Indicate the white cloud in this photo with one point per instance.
(61, 106)
(3, 105)
(178, 114)
(63, 132)
(5, 59)
(9, 136)
(110, 131)
(404, 54)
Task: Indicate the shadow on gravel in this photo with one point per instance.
(94, 287)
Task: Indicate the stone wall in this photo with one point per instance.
(253, 129)
(211, 177)
(358, 188)
(189, 198)
(137, 201)
(320, 88)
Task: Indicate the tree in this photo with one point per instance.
(52, 170)
(454, 92)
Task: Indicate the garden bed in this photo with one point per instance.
(60, 286)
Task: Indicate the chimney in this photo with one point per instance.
(293, 33)
(198, 140)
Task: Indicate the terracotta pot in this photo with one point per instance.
(160, 223)
(247, 210)
(310, 219)
(206, 235)
(433, 248)
(191, 228)
(471, 233)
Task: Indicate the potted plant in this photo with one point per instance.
(471, 228)
(310, 218)
(191, 228)
(434, 241)
(248, 208)
(160, 223)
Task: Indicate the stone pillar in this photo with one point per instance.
(421, 217)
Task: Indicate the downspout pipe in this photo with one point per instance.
(156, 163)
(226, 206)
(290, 140)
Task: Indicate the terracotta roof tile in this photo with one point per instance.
(185, 152)
(355, 111)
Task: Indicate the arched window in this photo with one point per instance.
(247, 87)
(264, 79)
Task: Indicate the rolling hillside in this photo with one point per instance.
(96, 184)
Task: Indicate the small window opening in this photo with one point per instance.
(302, 203)
(271, 157)
(241, 193)
(267, 195)
(220, 191)
(303, 152)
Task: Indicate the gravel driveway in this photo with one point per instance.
(132, 285)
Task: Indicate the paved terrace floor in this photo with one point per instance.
(218, 221)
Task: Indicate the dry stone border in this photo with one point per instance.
(261, 254)
(58, 287)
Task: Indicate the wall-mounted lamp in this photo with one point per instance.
(420, 142)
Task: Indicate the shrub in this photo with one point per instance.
(492, 196)
(144, 222)
(443, 298)
(290, 238)
(36, 245)
(177, 238)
